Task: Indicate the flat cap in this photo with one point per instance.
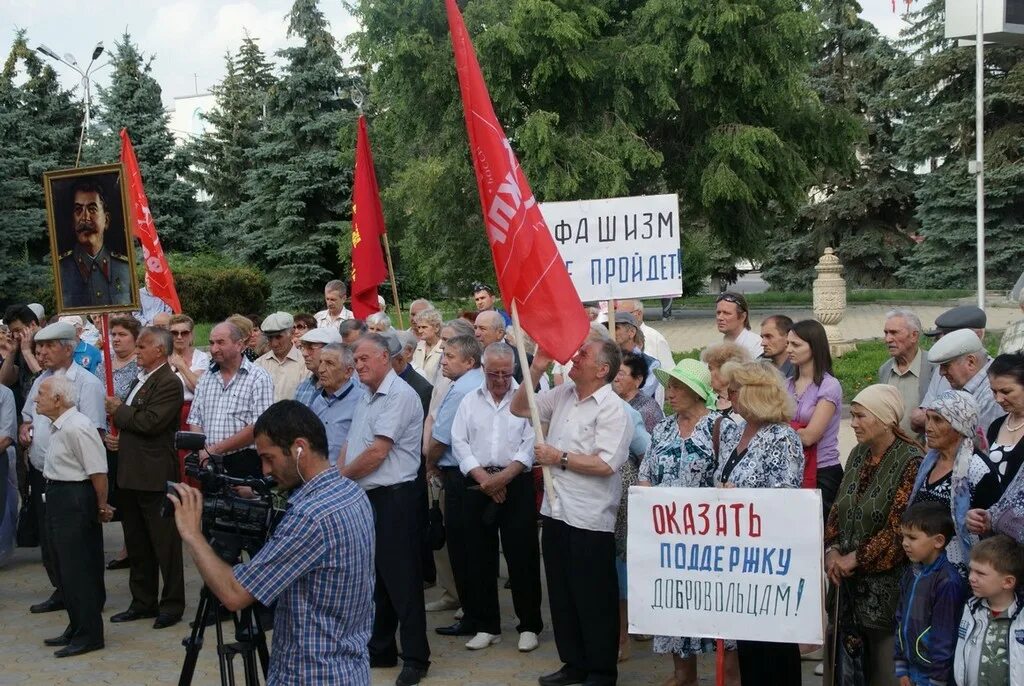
(955, 344)
(319, 335)
(73, 320)
(962, 317)
(626, 318)
(60, 331)
(279, 321)
(394, 344)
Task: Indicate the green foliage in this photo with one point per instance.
(39, 129)
(211, 287)
(939, 130)
(133, 101)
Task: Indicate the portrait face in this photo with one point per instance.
(798, 350)
(454, 365)
(182, 337)
(919, 546)
(680, 396)
(939, 433)
(427, 333)
(625, 336)
(866, 426)
(222, 348)
(372, 364)
(959, 371)
(332, 372)
(585, 366)
(624, 384)
(483, 300)
(729, 317)
(277, 463)
(46, 402)
(498, 375)
(334, 301)
(901, 340)
(772, 340)
(90, 218)
(148, 354)
(1008, 393)
(986, 582)
(121, 340)
(280, 342)
(485, 331)
(54, 354)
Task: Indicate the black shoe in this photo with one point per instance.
(411, 675)
(72, 650)
(563, 677)
(378, 662)
(131, 615)
(163, 621)
(459, 628)
(119, 563)
(62, 640)
(48, 605)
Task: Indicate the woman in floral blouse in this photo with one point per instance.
(766, 453)
(682, 455)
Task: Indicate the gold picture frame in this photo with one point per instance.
(91, 243)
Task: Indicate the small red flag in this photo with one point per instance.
(529, 268)
(159, 280)
(368, 269)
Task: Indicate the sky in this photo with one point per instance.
(188, 38)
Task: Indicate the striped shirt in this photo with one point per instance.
(222, 410)
(318, 566)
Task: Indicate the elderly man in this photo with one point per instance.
(483, 298)
(352, 330)
(76, 503)
(336, 402)
(55, 345)
(963, 362)
(310, 344)
(283, 361)
(402, 346)
(489, 328)
(147, 420)
(628, 338)
(383, 456)
(655, 344)
(1013, 337)
(336, 312)
(961, 317)
(427, 358)
(775, 343)
(732, 317)
(460, 364)
(588, 440)
(228, 400)
(494, 449)
(908, 369)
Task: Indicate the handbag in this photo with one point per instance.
(435, 523)
(27, 535)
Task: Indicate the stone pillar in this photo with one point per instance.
(830, 301)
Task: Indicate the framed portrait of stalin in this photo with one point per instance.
(90, 240)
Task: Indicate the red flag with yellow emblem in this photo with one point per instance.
(368, 269)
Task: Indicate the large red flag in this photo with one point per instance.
(368, 270)
(159, 280)
(530, 270)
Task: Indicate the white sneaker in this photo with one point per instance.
(820, 669)
(483, 640)
(445, 602)
(459, 614)
(527, 641)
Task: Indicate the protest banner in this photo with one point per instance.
(740, 563)
(619, 248)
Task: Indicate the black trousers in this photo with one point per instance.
(584, 598)
(37, 485)
(455, 518)
(516, 521)
(769, 664)
(77, 537)
(154, 550)
(829, 479)
(398, 593)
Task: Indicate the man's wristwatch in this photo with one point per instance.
(564, 461)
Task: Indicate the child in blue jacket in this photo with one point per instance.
(932, 595)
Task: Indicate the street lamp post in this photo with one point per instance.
(70, 61)
(979, 145)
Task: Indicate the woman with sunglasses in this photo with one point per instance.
(303, 322)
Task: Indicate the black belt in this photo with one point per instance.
(58, 481)
(392, 487)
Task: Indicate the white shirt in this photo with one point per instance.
(200, 363)
(75, 450)
(657, 347)
(142, 377)
(89, 401)
(751, 342)
(487, 434)
(597, 425)
(324, 320)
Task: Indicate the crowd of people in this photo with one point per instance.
(363, 425)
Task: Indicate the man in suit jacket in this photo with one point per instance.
(147, 420)
(908, 370)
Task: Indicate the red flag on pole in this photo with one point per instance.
(530, 270)
(159, 280)
(368, 270)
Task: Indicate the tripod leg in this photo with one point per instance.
(226, 659)
(194, 642)
(259, 640)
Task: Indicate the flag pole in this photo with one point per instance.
(549, 489)
(394, 286)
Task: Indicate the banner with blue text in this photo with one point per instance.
(740, 563)
(619, 247)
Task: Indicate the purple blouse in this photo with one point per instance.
(830, 391)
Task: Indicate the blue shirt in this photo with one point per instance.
(318, 566)
(307, 390)
(88, 356)
(442, 433)
(335, 410)
(394, 412)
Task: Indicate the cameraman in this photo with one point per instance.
(317, 564)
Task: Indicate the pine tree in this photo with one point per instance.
(133, 101)
(297, 192)
(938, 134)
(39, 128)
(862, 207)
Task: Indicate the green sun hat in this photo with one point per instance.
(695, 375)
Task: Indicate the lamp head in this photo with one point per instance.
(48, 51)
(97, 51)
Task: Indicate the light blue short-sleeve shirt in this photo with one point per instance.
(442, 431)
(393, 411)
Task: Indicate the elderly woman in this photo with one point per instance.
(955, 471)
(427, 358)
(864, 555)
(714, 356)
(378, 322)
(766, 453)
(682, 455)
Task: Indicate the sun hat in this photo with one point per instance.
(695, 375)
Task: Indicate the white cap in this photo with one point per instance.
(319, 335)
(39, 311)
(278, 321)
(73, 320)
(58, 331)
(955, 344)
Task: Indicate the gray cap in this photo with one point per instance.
(394, 344)
(279, 321)
(955, 344)
(407, 339)
(318, 335)
(60, 331)
(38, 310)
(962, 317)
(626, 318)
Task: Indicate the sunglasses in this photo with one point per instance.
(477, 287)
(179, 333)
(735, 300)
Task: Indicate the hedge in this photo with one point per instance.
(211, 289)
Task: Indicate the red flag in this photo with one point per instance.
(530, 270)
(159, 280)
(368, 270)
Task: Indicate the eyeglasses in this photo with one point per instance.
(302, 327)
(178, 333)
(500, 376)
(736, 300)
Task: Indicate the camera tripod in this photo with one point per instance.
(250, 640)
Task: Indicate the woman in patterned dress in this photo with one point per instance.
(682, 455)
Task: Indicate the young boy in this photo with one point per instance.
(990, 651)
(932, 596)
